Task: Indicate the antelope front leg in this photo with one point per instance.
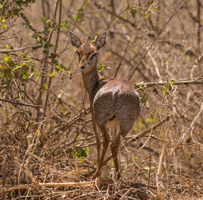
(98, 143)
(106, 140)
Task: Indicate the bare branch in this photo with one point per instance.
(129, 76)
(6, 51)
(153, 84)
(23, 104)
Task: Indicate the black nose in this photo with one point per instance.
(82, 67)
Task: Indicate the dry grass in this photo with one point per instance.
(48, 151)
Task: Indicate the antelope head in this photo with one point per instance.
(87, 51)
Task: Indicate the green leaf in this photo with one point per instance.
(7, 47)
(139, 86)
(101, 68)
(25, 74)
(38, 133)
(52, 74)
(136, 86)
(164, 90)
(18, 66)
(133, 12)
(144, 99)
(64, 24)
(35, 74)
(146, 15)
(167, 87)
(3, 74)
(58, 68)
(32, 75)
(15, 12)
(7, 58)
(44, 87)
(75, 16)
(3, 26)
(55, 98)
(44, 19)
(81, 153)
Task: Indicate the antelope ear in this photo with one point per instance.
(101, 41)
(75, 40)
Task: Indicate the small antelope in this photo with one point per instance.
(114, 103)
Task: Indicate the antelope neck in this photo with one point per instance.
(90, 80)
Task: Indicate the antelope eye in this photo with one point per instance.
(78, 53)
(93, 55)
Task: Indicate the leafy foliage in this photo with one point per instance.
(24, 68)
(11, 9)
(168, 87)
(81, 153)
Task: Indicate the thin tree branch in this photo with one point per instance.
(47, 53)
(56, 45)
(9, 26)
(23, 104)
(129, 76)
(37, 185)
(152, 84)
(116, 17)
(6, 51)
(122, 58)
(199, 26)
(108, 11)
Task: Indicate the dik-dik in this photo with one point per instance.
(114, 102)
